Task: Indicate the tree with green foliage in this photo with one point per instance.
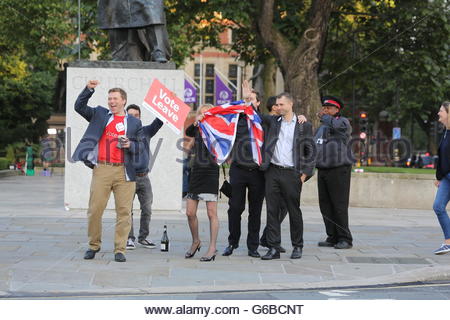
(394, 56)
(37, 38)
(292, 32)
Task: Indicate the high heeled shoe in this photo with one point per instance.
(207, 259)
(190, 254)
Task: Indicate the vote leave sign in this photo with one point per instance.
(166, 106)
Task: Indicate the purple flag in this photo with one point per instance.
(223, 93)
(190, 93)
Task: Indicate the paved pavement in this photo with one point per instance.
(42, 246)
(429, 291)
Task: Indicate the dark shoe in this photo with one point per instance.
(190, 254)
(158, 56)
(254, 254)
(208, 259)
(263, 243)
(343, 245)
(228, 251)
(296, 253)
(90, 254)
(326, 244)
(147, 244)
(119, 257)
(271, 254)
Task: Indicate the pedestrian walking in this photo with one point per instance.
(443, 179)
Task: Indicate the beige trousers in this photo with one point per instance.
(107, 178)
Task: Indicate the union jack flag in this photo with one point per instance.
(218, 129)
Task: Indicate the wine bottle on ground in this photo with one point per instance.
(165, 241)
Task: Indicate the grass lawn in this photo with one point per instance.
(397, 170)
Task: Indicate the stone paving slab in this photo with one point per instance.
(42, 246)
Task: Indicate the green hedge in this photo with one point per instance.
(4, 164)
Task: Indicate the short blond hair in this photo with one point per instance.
(206, 106)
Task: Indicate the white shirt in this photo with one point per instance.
(283, 155)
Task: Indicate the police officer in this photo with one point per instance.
(334, 163)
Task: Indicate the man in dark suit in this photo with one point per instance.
(245, 178)
(110, 146)
(288, 162)
(143, 185)
(272, 107)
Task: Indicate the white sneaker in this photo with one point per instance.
(130, 244)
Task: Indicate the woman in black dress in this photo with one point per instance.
(203, 185)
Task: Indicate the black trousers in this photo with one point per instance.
(282, 214)
(334, 194)
(241, 180)
(283, 185)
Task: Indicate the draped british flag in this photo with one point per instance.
(219, 126)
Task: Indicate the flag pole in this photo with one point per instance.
(192, 80)
(226, 79)
(239, 83)
(201, 79)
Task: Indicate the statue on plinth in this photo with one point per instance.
(136, 28)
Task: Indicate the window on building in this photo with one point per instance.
(209, 99)
(197, 70)
(232, 76)
(209, 86)
(209, 70)
(232, 71)
(208, 82)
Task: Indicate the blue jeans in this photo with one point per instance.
(440, 203)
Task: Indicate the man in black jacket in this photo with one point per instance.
(245, 175)
(334, 164)
(143, 185)
(273, 111)
(288, 161)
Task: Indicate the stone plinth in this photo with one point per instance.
(135, 78)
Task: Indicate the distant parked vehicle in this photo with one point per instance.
(423, 160)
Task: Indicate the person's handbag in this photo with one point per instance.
(226, 186)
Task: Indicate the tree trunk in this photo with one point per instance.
(299, 65)
(432, 145)
(269, 79)
(426, 127)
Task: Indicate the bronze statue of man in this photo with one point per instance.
(137, 29)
